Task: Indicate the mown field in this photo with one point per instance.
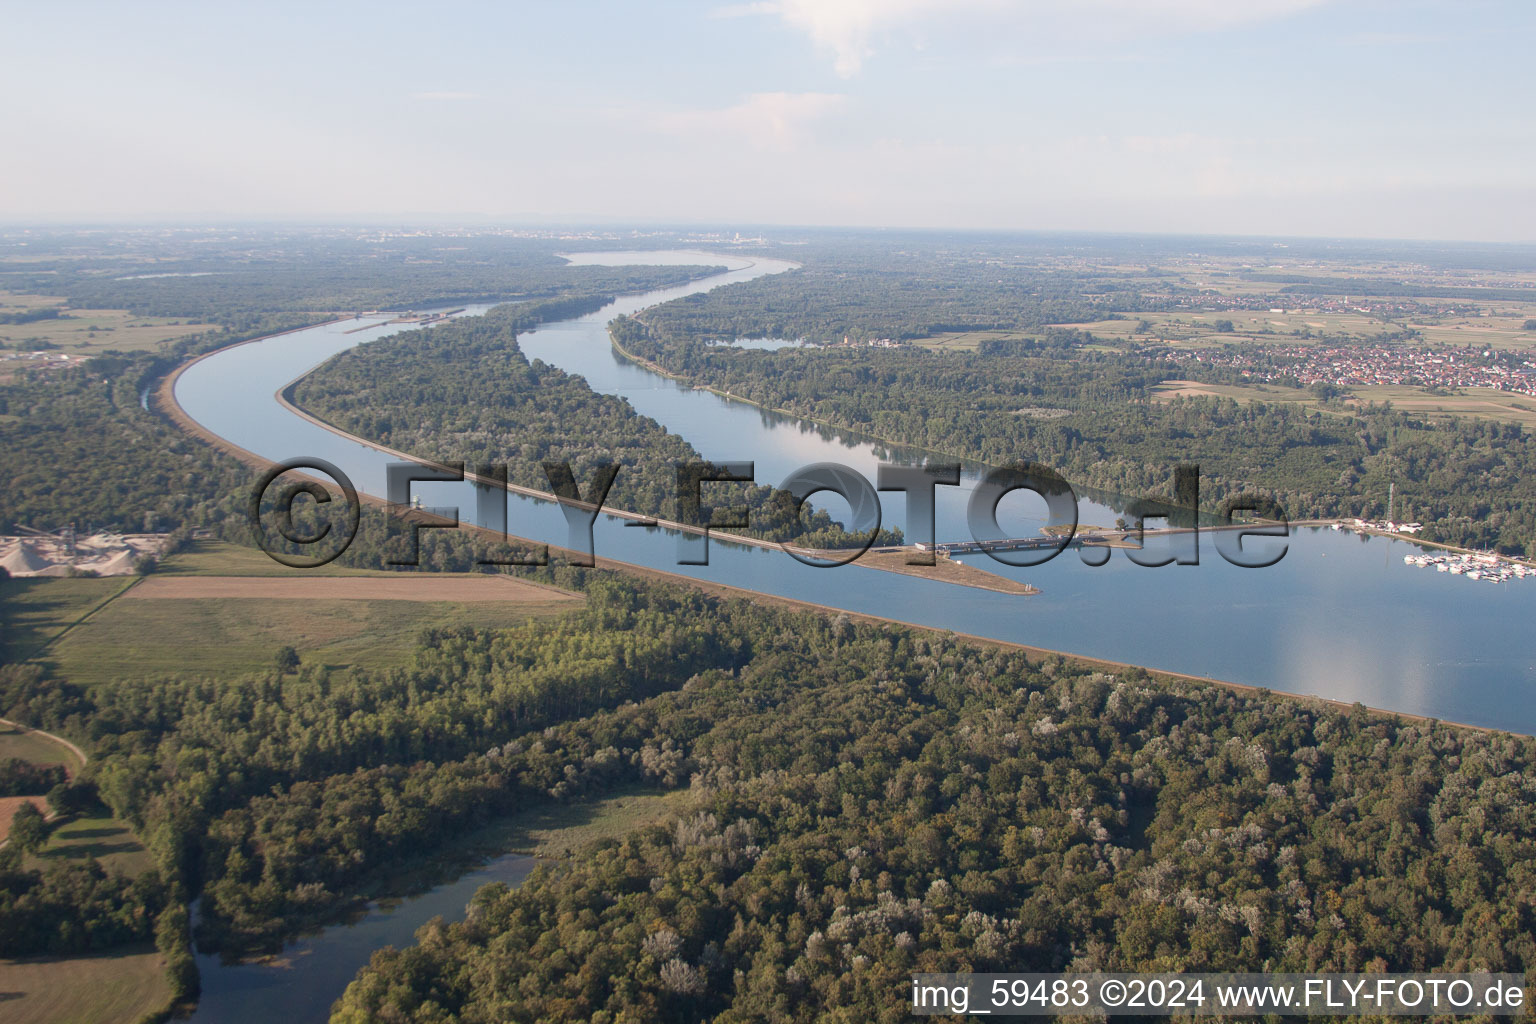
(93, 633)
(1237, 392)
(1484, 403)
(34, 612)
(218, 558)
(230, 636)
(234, 636)
(1499, 326)
(1503, 327)
(121, 986)
(1256, 325)
(87, 331)
(969, 341)
(95, 834)
(29, 746)
(558, 830)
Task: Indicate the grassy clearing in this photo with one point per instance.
(114, 988)
(1241, 393)
(88, 331)
(970, 341)
(218, 558)
(1256, 326)
(35, 611)
(401, 586)
(1485, 403)
(1502, 328)
(95, 834)
(228, 637)
(29, 746)
(561, 829)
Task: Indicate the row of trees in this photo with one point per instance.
(31, 316)
(25, 778)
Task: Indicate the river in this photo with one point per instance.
(1341, 616)
(299, 986)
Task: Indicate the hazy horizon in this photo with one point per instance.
(635, 231)
(1282, 118)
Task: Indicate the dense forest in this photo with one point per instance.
(902, 296)
(79, 447)
(1091, 415)
(868, 800)
(872, 801)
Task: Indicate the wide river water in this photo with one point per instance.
(1341, 616)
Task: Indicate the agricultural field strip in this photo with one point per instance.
(361, 588)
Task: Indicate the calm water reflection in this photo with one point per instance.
(300, 986)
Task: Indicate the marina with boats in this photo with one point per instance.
(1488, 568)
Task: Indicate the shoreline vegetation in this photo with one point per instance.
(1348, 522)
(163, 400)
(959, 575)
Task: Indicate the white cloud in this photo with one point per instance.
(745, 10)
(849, 29)
(765, 120)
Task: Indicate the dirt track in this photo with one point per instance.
(465, 587)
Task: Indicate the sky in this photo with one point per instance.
(1339, 118)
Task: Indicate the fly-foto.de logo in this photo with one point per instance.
(330, 521)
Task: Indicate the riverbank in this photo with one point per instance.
(943, 571)
(662, 371)
(165, 401)
(1350, 526)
